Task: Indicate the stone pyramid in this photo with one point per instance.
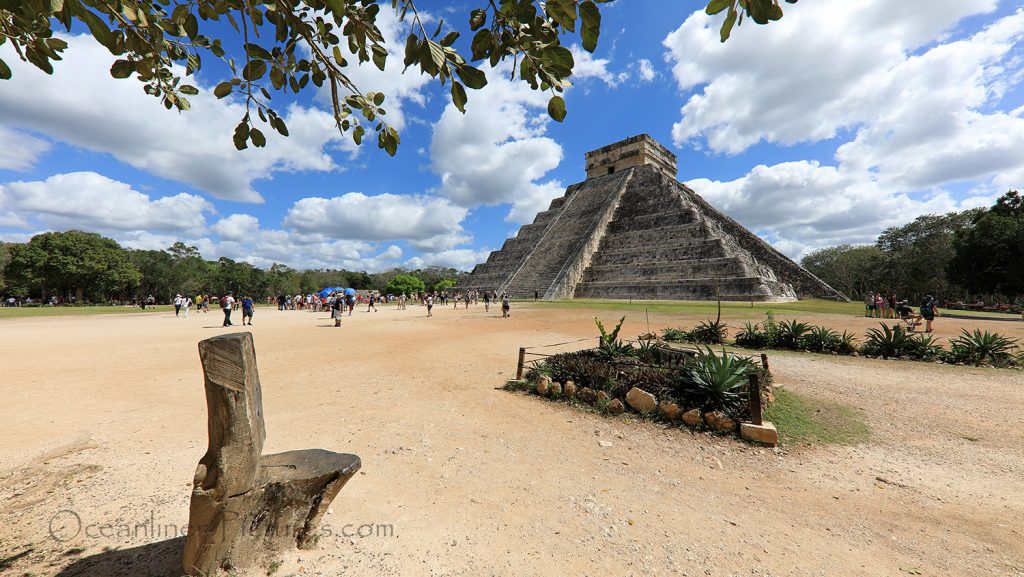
(631, 230)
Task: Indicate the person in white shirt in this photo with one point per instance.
(177, 304)
(227, 303)
(186, 304)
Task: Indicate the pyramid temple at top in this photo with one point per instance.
(631, 230)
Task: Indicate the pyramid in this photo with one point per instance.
(631, 230)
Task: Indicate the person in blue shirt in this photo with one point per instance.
(247, 309)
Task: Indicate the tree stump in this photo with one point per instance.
(246, 505)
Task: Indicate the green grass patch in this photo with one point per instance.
(807, 420)
(45, 311)
(813, 306)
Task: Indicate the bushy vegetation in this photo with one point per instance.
(702, 378)
(705, 333)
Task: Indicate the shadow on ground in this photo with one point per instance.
(160, 559)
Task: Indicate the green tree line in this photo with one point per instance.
(96, 269)
(971, 255)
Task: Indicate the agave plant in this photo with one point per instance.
(847, 344)
(715, 382)
(611, 346)
(923, 347)
(752, 338)
(820, 340)
(673, 335)
(791, 333)
(709, 332)
(977, 346)
(887, 342)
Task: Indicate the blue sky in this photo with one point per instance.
(825, 128)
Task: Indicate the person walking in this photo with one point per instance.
(928, 312)
(371, 300)
(869, 304)
(226, 304)
(248, 307)
(177, 304)
(186, 304)
(506, 306)
(487, 301)
(430, 305)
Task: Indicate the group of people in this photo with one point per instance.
(227, 303)
(877, 305)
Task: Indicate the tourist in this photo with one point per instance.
(487, 301)
(337, 310)
(248, 307)
(869, 304)
(928, 312)
(371, 300)
(430, 305)
(883, 306)
(350, 300)
(186, 304)
(226, 304)
(466, 298)
(506, 304)
(177, 304)
(892, 305)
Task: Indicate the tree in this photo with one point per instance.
(156, 269)
(987, 255)
(444, 284)
(286, 44)
(405, 283)
(917, 254)
(73, 263)
(852, 270)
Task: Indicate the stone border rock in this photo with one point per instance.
(646, 405)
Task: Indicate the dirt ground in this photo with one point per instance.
(104, 419)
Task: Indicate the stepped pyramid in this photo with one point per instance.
(631, 230)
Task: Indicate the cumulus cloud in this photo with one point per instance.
(586, 66)
(94, 202)
(645, 70)
(460, 259)
(497, 153)
(827, 65)
(21, 150)
(192, 147)
(429, 223)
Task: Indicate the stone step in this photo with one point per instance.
(629, 222)
(742, 289)
(689, 249)
(653, 269)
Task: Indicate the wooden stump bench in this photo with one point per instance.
(246, 505)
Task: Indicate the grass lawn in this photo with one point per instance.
(45, 311)
(807, 420)
(710, 307)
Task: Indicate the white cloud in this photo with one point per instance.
(645, 70)
(94, 202)
(21, 150)
(586, 66)
(497, 153)
(801, 206)
(825, 66)
(461, 259)
(237, 227)
(192, 147)
(428, 223)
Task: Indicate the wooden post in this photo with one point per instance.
(764, 362)
(522, 359)
(754, 389)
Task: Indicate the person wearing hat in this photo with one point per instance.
(227, 303)
(177, 304)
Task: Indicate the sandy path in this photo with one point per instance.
(476, 481)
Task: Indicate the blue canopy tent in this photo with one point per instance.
(327, 291)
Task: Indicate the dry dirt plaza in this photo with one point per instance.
(104, 419)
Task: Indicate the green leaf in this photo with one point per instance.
(449, 38)
(357, 134)
(258, 140)
(241, 136)
(558, 57)
(122, 69)
(591, 17)
(188, 89)
(378, 98)
(482, 42)
(191, 26)
(563, 12)
(411, 46)
(98, 29)
(380, 57)
(477, 18)
(556, 108)
(473, 77)
(56, 5)
(254, 70)
(459, 97)
(222, 89)
(5, 70)
(716, 6)
(730, 20)
(337, 7)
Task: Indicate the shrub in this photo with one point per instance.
(886, 343)
(977, 346)
(611, 346)
(791, 334)
(749, 336)
(847, 344)
(584, 368)
(673, 335)
(715, 382)
(922, 347)
(820, 340)
(708, 333)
